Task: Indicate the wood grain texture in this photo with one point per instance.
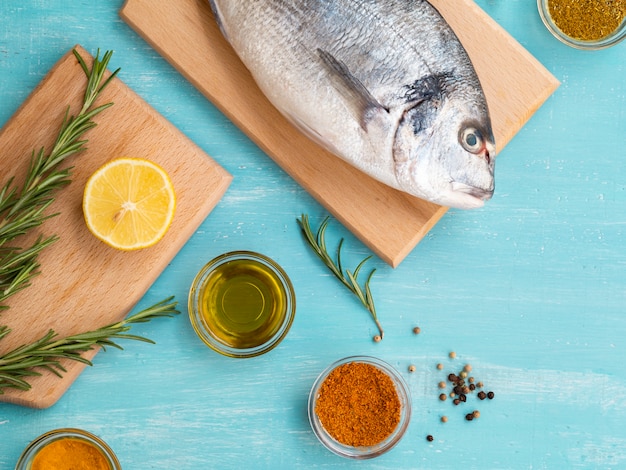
(85, 284)
(388, 221)
(529, 290)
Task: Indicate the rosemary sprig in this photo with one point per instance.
(18, 365)
(22, 209)
(349, 278)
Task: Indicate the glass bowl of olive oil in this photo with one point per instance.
(242, 304)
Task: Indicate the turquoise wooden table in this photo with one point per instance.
(530, 289)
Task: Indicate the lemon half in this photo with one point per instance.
(129, 203)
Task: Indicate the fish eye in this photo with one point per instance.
(471, 139)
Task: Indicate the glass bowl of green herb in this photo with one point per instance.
(585, 24)
(359, 407)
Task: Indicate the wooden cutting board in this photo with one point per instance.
(387, 221)
(84, 284)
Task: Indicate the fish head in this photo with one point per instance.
(444, 151)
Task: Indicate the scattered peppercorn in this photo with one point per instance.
(417, 330)
(411, 368)
(377, 338)
(444, 419)
(430, 438)
(452, 355)
(463, 386)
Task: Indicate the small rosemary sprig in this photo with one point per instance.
(18, 365)
(24, 209)
(349, 278)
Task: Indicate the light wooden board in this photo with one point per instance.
(389, 222)
(85, 284)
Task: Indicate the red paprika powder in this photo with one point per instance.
(358, 405)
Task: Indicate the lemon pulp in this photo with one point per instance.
(129, 203)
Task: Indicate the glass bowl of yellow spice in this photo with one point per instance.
(585, 24)
(359, 407)
(68, 448)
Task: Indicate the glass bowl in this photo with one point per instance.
(607, 41)
(26, 460)
(241, 304)
(361, 452)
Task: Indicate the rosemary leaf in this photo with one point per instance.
(349, 278)
(23, 209)
(48, 351)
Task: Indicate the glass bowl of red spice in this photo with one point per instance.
(359, 407)
(68, 448)
(585, 24)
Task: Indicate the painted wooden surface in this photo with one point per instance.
(515, 85)
(86, 284)
(530, 289)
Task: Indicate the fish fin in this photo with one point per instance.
(364, 105)
(312, 134)
(218, 18)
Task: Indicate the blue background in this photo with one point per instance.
(529, 290)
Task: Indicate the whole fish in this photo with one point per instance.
(384, 84)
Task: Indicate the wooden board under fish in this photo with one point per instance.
(388, 221)
(84, 284)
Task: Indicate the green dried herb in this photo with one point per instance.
(349, 278)
(18, 365)
(587, 20)
(23, 209)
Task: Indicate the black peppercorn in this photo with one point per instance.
(482, 395)
(490, 395)
(430, 438)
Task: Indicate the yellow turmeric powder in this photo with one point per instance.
(70, 454)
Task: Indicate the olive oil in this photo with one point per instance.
(242, 304)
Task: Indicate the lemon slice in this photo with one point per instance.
(129, 203)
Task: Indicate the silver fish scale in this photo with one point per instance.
(383, 84)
